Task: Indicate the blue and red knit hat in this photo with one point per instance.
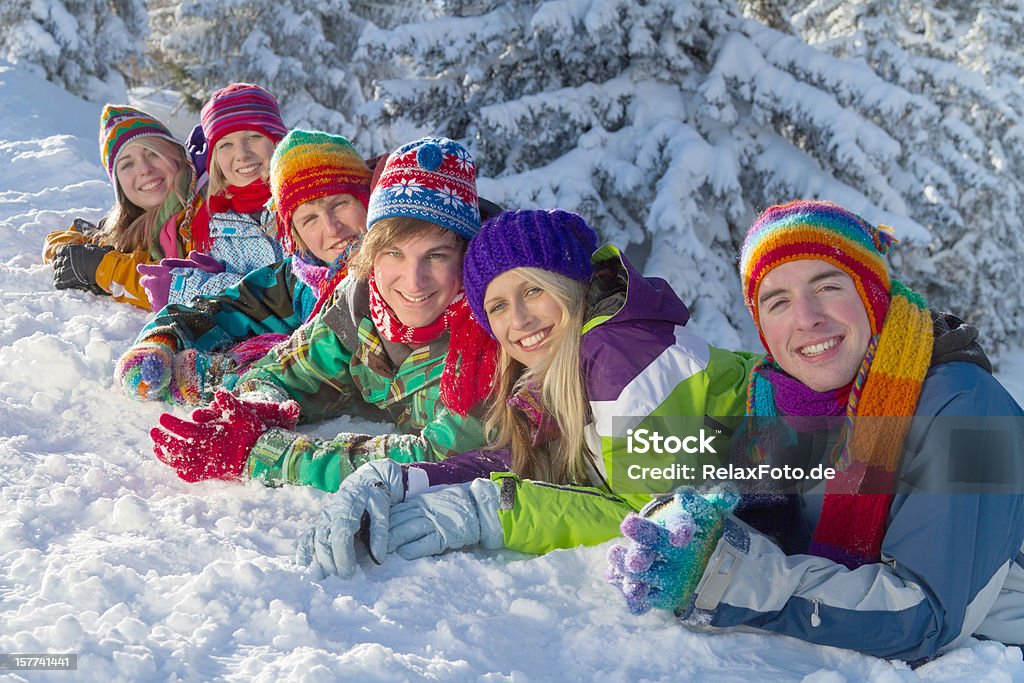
(558, 241)
(121, 124)
(240, 106)
(433, 179)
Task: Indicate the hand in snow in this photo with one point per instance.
(75, 266)
(449, 518)
(361, 506)
(671, 541)
(144, 371)
(217, 441)
(284, 415)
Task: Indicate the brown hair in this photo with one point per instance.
(386, 233)
(130, 228)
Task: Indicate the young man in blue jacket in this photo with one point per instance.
(914, 543)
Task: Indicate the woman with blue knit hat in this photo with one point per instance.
(913, 543)
(155, 204)
(590, 351)
(381, 344)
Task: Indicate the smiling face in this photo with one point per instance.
(243, 156)
(524, 318)
(327, 225)
(420, 275)
(145, 177)
(815, 323)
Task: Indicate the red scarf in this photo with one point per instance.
(472, 354)
(246, 199)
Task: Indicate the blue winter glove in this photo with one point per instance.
(449, 518)
(672, 540)
(363, 501)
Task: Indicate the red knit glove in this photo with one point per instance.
(284, 415)
(216, 442)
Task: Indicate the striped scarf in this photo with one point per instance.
(867, 457)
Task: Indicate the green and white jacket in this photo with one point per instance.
(338, 364)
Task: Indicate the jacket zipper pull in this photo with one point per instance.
(815, 619)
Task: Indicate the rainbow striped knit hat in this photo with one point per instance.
(309, 165)
(240, 106)
(819, 230)
(433, 179)
(121, 124)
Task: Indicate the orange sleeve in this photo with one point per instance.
(59, 238)
(116, 274)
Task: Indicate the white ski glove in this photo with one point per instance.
(449, 518)
(362, 503)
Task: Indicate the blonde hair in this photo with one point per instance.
(218, 183)
(386, 233)
(130, 228)
(562, 393)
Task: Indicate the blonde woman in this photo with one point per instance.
(589, 348)
(234, 233)
(154, 188)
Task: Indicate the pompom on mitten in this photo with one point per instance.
(671, 542)
(145, 370)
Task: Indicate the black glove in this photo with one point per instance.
(74, 267)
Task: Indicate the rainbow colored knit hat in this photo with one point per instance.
(121, 124)
(558, 241)
(240, 106)
(433, 179)
(309, 165)
(819, 230)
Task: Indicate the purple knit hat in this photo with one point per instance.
(240, 106)
(559, 241)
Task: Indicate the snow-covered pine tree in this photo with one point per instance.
(964, 159)
(669, 125)
(297, 49)
(88, 46)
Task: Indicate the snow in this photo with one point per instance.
(105, 553)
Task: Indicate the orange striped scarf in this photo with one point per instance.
(884, 400)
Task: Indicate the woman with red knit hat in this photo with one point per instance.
(233, 233)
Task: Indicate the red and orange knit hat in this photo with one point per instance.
(819, 230)
(309, 165)
(240, 106)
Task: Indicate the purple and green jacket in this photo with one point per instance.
(642, 368)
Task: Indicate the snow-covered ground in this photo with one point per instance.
(104, 552)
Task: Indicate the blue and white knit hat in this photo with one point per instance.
(433, 179)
